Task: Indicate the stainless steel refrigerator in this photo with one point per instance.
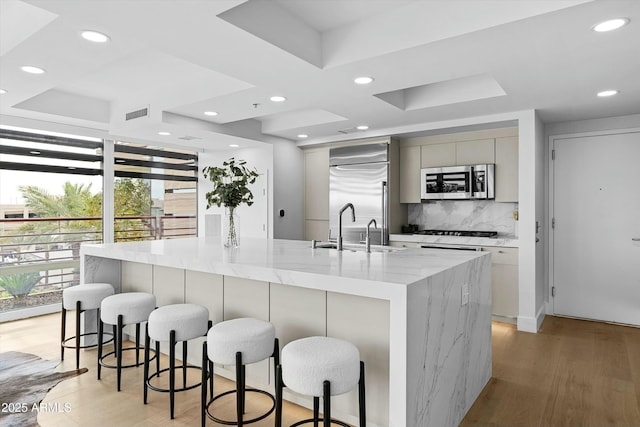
(359, 175)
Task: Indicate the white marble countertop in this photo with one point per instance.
(500, 241)
(287, 261)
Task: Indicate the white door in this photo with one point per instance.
(254, 219)
(596, 239)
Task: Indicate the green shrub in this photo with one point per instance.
(19, 284)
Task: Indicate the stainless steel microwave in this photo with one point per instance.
(457, 182)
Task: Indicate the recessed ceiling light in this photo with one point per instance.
(2, 91)
(210, 113)
(234, 145)
(32, 70)
(94, 36)
(36, 152)
(119, 161)
(164, 133)
(610, 25)
(278, 98)
(303, 135)
(363, 80)
(362, 127)
(606, 93)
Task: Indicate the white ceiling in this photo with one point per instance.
(432, 60)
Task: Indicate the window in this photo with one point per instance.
(155, 192)
(51, 202)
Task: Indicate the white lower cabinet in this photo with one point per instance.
(248, 298)
(205, 289)
(137, 277)
(365, 323)
(504, 283)
(168, 285)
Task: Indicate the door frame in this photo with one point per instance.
(550, 189)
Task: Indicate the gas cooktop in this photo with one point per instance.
(465, 233)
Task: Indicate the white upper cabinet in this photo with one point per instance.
(506, 178)
(437, 155)
(410, 164)
(475, 152)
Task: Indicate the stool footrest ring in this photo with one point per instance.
(65, 345)
(319, 420)
(166, 390)
(233, 423)
(133, 365)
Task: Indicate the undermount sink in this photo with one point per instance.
(353, 247)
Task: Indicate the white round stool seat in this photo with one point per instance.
(189, 321)
(252, 337)
(308, 362)
(134, 307)
(90, 295)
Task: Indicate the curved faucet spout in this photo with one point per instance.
(367, 240)
(353, 219)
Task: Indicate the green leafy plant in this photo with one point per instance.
(230, 184)
(20, 284)
(230, 189)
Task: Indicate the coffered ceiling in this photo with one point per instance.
(431, 61)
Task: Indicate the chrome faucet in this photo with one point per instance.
(367, 239)
(353, 219)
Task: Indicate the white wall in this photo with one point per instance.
(252, 217)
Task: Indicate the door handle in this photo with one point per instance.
(635, 239)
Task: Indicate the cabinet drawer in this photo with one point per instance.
(502, 255)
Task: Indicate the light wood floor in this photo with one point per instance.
(572, 373)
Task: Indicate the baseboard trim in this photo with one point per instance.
(24, 313)
(532, 324)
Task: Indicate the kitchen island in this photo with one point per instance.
(421, 318)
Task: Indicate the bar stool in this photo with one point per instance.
(320, 366)
(174, 323)
(119, 310)
(241, 342)
(81, 298)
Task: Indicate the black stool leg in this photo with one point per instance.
(158, 358)
(211, 380)
(203, 387)
(363, 411)
(172, 370)
(119, 354)
(137, 343)
(147, 344)
(184, 364)
(78, 306)
(239, 389)
(316, 410)
(62, 331)
(115, 340)
(279, 387)
(326, 398)
(100, 335)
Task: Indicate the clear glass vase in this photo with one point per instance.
(231, 228)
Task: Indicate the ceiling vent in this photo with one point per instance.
(188, 138)
(143, 112)
(350, 130)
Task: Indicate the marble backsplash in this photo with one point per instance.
(465, 215)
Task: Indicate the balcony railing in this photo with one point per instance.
(41, 256)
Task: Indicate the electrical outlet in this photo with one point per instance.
(465, 294)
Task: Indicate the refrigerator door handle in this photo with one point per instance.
(385, 226)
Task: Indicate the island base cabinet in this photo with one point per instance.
(135, 277)
(365, 323)
(247, 298)
(205, 289)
